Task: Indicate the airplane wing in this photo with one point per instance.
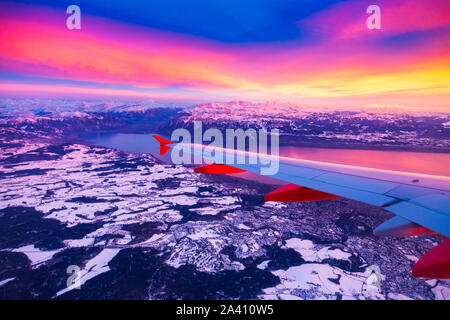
(420, 202)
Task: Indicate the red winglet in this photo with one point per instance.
(162, 144)
(435, 264)
(163, 149)
(162, 140)
(295, 193)
(217, 169)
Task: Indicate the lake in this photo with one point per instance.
(419, 162)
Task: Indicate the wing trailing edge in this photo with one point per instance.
(217, 169)
(400, 227)
(294, 193)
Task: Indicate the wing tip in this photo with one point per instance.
(435, 264)
(163, 148)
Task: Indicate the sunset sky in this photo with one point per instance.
(316, 52)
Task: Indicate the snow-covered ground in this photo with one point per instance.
(106, 211)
